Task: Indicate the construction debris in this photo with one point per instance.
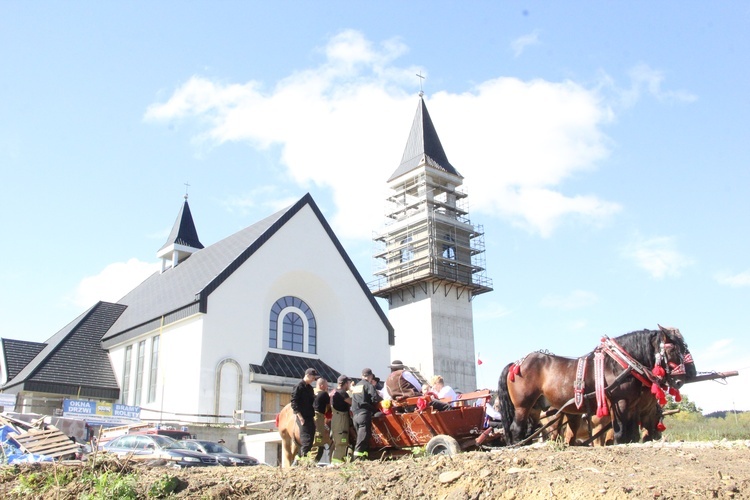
(33, 442)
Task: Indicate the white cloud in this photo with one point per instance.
(113, 282)
(658, 257)
(268, 197)
(491, 311)
(645, 80)
(574, 300)
(519, 44)
(580, 324)
(717, 351)
(734, 280)
(343, 125)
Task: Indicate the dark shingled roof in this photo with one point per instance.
(423, 141)
(286, 365)
(184, 289)
(73, 361)
(183, 231)
(18, 353)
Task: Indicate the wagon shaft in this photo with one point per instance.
(712, 376)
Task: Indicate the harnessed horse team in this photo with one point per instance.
(623, 382)
(620, 380)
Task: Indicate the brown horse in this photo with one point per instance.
(548, 378)
(289, 432)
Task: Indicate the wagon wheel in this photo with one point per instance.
(442, 445)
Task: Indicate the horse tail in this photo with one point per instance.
(507, 410)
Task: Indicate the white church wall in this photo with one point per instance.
(116, 357)
(413, 333)
(179, 355)
(180, 366)
(301, 261)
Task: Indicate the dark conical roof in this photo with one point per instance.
(423, 141)
(184, 232)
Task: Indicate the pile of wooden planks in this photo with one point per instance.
(39, 438)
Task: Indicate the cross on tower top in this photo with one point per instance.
(186, 190)
(421, 92)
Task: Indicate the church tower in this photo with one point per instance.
(433, 260)
(182, 241)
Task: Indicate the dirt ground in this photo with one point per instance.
(652, 470)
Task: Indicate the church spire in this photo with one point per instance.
(423, 146)
(431, 260)
(182, 241)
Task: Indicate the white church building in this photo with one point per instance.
(228, 329)
(232, 326)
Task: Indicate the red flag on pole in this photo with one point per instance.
(479, 361)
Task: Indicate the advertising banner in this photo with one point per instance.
(8, 402)
(101, 411)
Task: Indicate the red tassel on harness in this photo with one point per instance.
(661, 427)
(658, 371)
(514, 370)
(602, 411)
(675, 394)
(659, 394)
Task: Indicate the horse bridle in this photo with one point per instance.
(666, 346)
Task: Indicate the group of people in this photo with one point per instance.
(362, 401)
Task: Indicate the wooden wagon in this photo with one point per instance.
(463, 427)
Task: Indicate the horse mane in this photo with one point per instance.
(507, 411)
(639, 345)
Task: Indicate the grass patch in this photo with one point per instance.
(696, 427)
(110, 484)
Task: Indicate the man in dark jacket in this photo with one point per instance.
(303, 396)
(365, 399)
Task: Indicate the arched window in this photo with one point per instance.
(292, 326)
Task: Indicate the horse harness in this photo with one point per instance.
(653, 378)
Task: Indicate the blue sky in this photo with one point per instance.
(605, 150)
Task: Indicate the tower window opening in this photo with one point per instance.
(449, 247)
(407, 252)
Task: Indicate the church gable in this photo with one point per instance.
(185, 289)
(298, 294)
